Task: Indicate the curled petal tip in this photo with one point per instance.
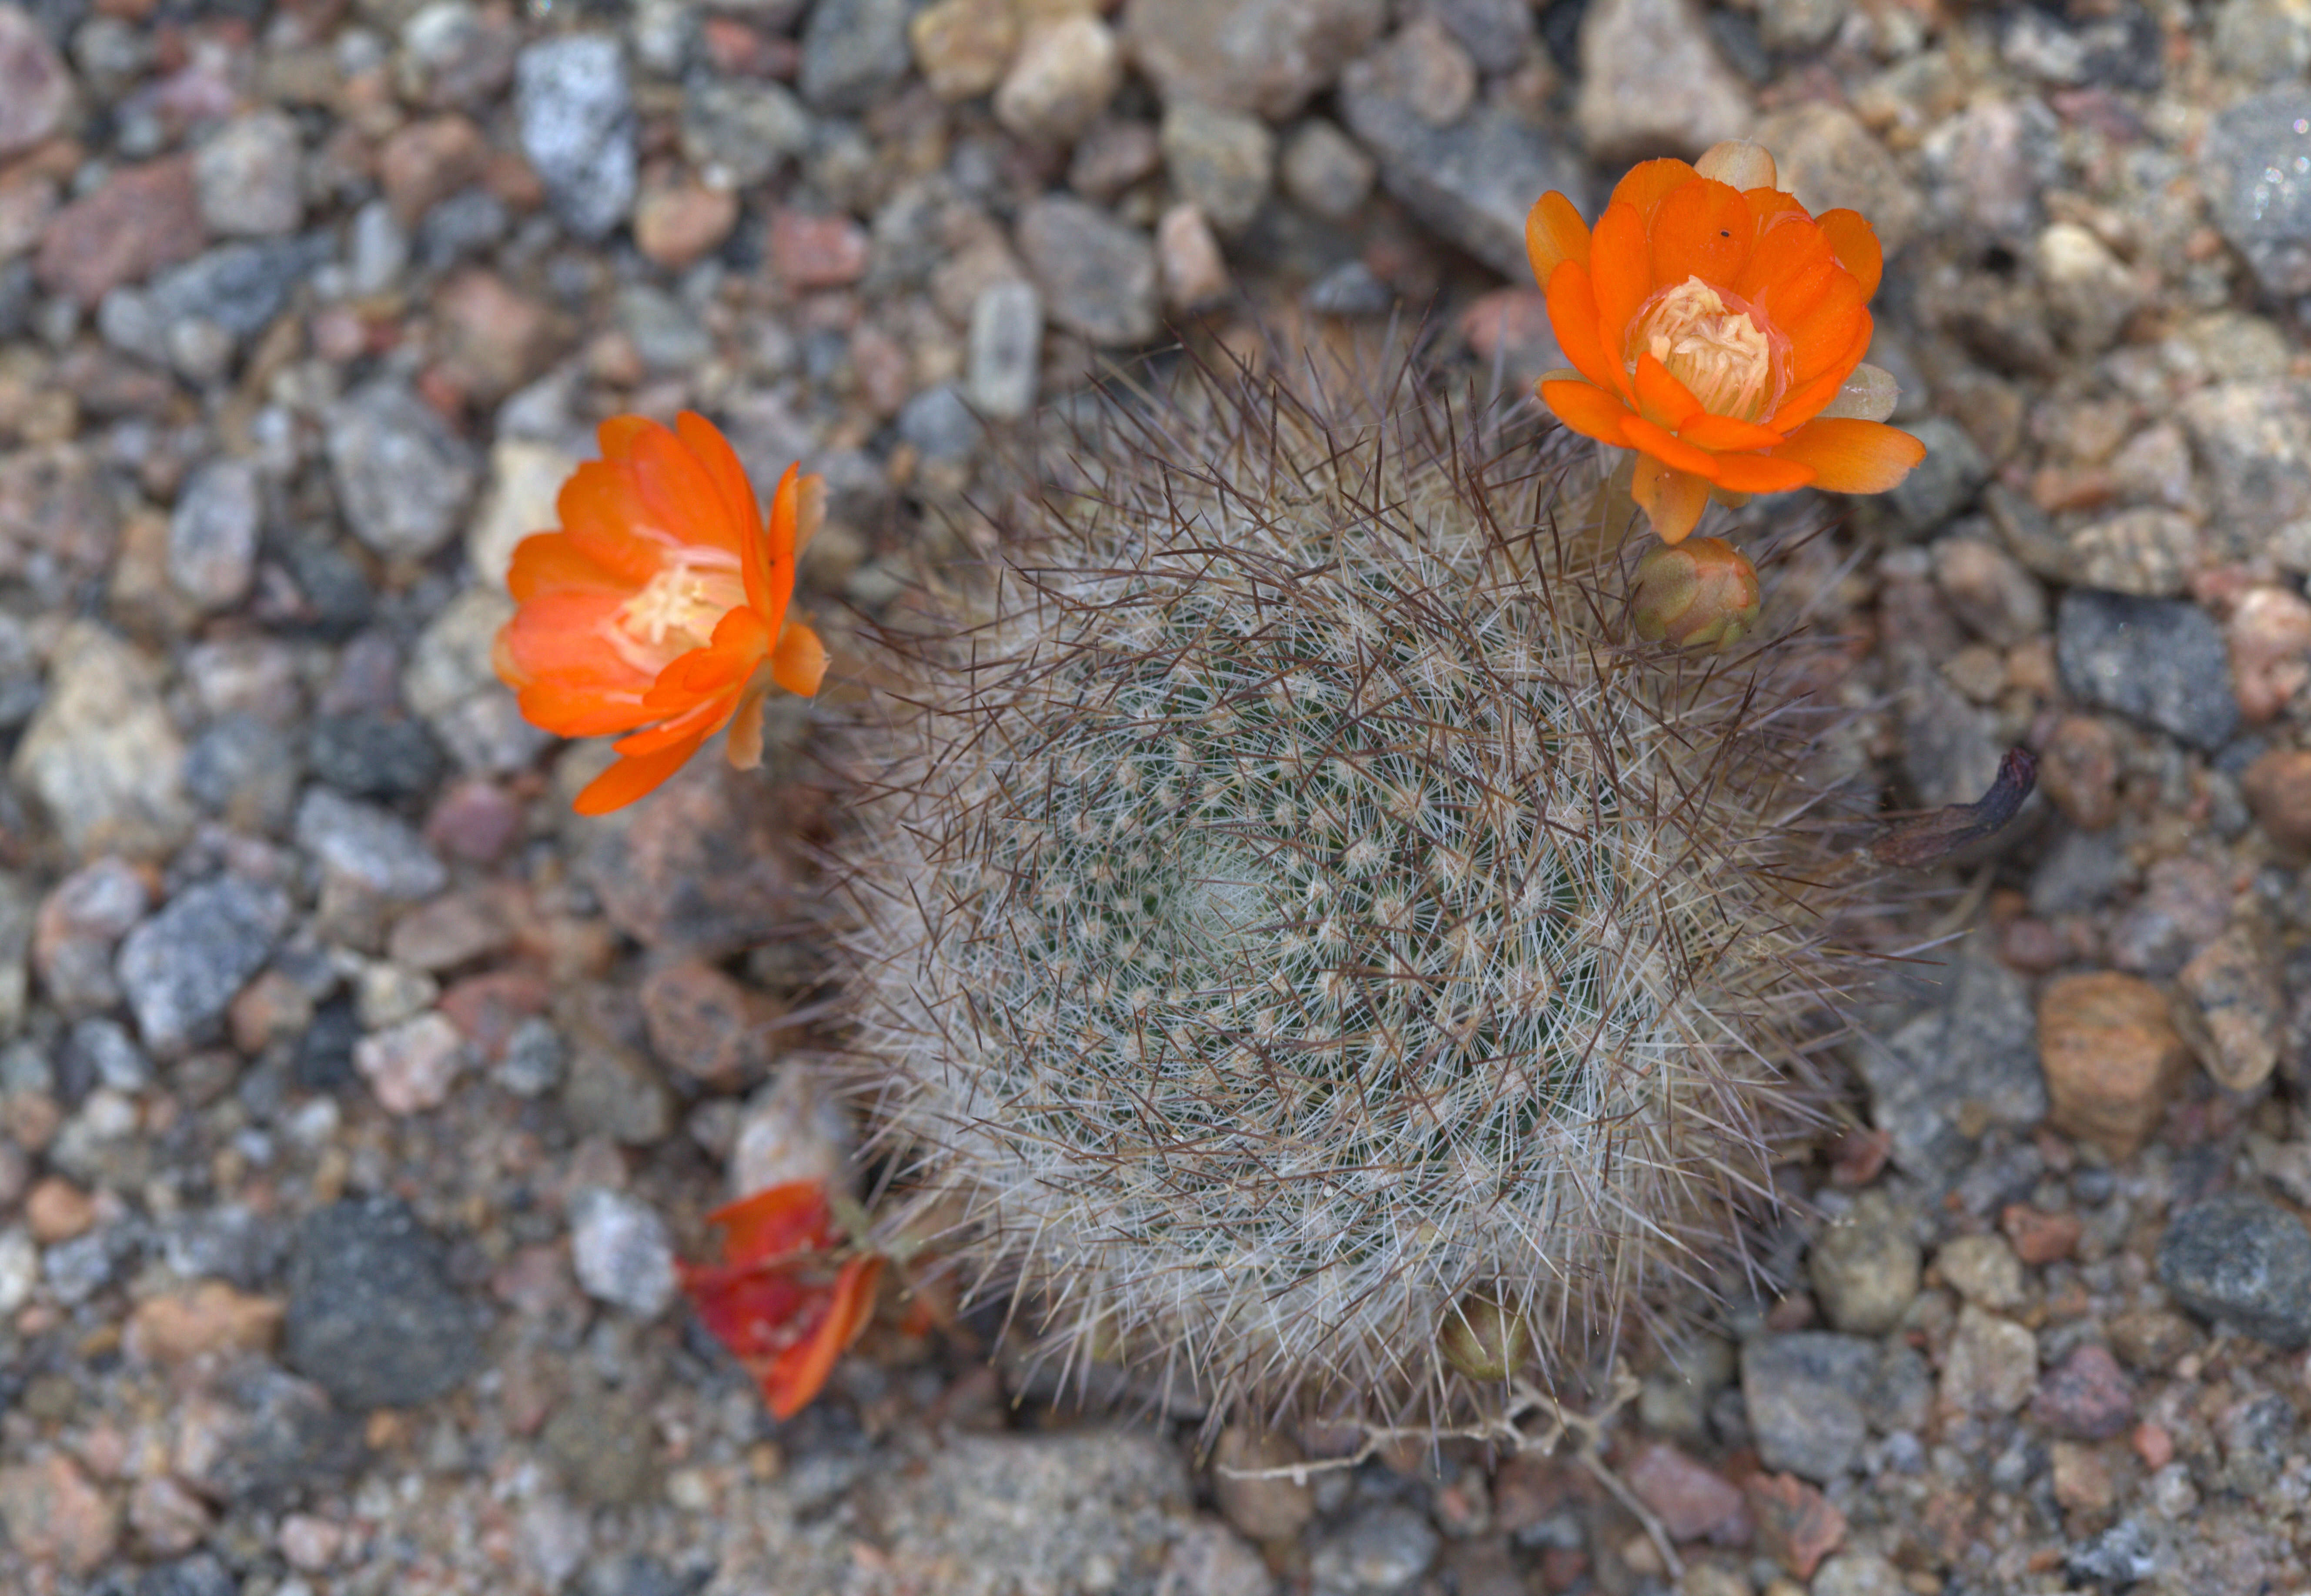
(1739, 163)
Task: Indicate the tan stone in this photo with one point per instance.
(55, 1514)
(58, 1211)
(962, 46)
(2237, 1017)
(2112, 1057)
(2278, 788)
(679, 224)
(210, 1317)
(1273, 1507)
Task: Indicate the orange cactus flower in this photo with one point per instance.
(779, 1300)
(1718, 329)
(657, 611)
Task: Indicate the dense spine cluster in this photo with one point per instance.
(1290, 916)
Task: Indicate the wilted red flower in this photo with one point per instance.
(659, 610)
(1718, 329)
(780, 1300)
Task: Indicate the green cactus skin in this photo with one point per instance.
(1281, 909)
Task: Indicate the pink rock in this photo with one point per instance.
(811, 251)
(55, 1514)
(412, 1066)
(1195, 274)
(1691, 1501)
(2086, 1397)
(144, 218)
(36, 91)
(26, 204)
(475, 820)
(79, 925)
(2269, 636)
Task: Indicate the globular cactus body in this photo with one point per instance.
(1285, 914)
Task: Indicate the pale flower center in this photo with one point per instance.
(1718, 351)
(677, 610)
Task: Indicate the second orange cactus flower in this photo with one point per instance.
(659, 610)
(1717, 327)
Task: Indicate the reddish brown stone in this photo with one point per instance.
(2079, 769)
(1529, 1489)
(1691, 1501)
(2039, 1238)
(810, 250)
(1797, 1525)
(428, 162)
(1508, 322)
(493, 339)
(2112, 1057)
(1856, 1157)
(683, 222)
(706, 867)
(487, 1009)
(142, 219)
(2278, 788)
(704, 1023)
(475, 820)
(26, 204)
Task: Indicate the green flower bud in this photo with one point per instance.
(1483, 1339)
(1701, 594)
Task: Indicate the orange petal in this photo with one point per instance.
(799, 1374)
(680, 494)
(1805, 402)
(743, 748)
(1790, 268)
(619, 434)
(1824, 335)
(1855, 244)
(1588, 410)
(1760, 474)
(720, 462)
(691, 727)
(550, 563)
(1853, 456)
(1702, 230)
(1661, 398)
(1620, 273)
(799, 664)
(1664, 445)
(1721, 433)
(631, 779)
(1554, 233)
(1572, 317)
(1647, 183)
(810, 511)
(771, 558)
(576, 710)
(1672, 500)
(604, 516)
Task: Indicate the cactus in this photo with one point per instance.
(1298, 945)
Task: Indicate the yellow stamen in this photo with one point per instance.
(1718, 351)
(677, 612)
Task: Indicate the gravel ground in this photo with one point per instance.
(356, 1098)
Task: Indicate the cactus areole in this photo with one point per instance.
(1286, 911)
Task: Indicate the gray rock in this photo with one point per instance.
(937, 421)
(615, 1095)
(101, 756)
(854, 52)
(1939, 489)
(1865, 1266)
(2119, 47)
(2256, 166)
(1007, 349)
(2253, 442)
(1497, 34)
(604, 1446)
(1805, 1395)
(1829, 160)
(245, 769)
(2079, 872)
(246, 177)
(667, 333)
(2161, 661)
(1969, 1059)
(2117, 1557)
(742, 132)
(1222, 162)
(2263, 41)
(102, 1050)
(1474, 180)
(180, 968)
(1326, 172)
(236, 288)
(1349, 289)
(200, 1575)
(1653, 84)
(372, 1317)
(2243, 1261)
(1098, 275)
(213, 535)
(621, 1252)
(1800, 24)
(1380, 1552)
(575, 112)
(1265, 57)
(279, 1438)
(404, 479)
(368, 846)
(371, 755)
